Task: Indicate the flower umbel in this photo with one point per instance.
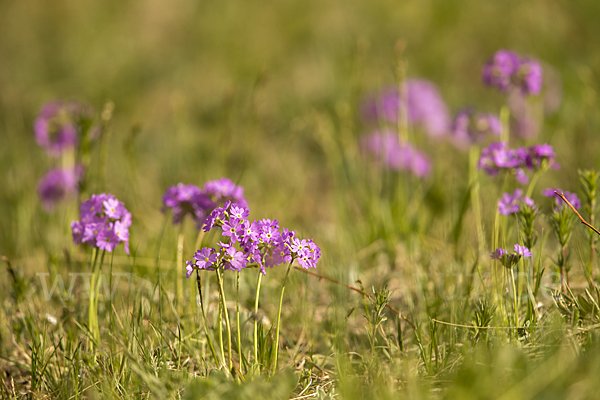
(103, 223)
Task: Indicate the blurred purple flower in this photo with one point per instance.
(510, 204)
(498, 157)
(507, 72)
(386, 148)
(498, 253)
(199, 203)
(422, 102)
(571, 197)
(55, 186)
(500, 68)
(471, 127)
(56, 127)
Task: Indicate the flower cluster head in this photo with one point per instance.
(509, 260)
(560, 204)
(498, 157)
(386, 148)
(512, 203)
(469, 127)
(261, 243)
(103, 223)
(58, 184)
(190, 200)
(56, 127)
(507, 71)
(420, 100)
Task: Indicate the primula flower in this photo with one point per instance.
(471, 127)
(423, 104)
(103, 223)
(55, 186)
(56, 127)
(571, 197)
(199, 203)
(508, 72)
(498, 157)
(386, 148)
(258, 244)
(500, 68)
(511, 204)
(509, 260)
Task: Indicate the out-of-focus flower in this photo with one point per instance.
(198, 203)
(55, 186)
(510, 260)
(386, 148)
(571, 197)
(498, 157)
(471, 127)
(507, 71)
(500, 68)
(511, 203)
(103, 223)
(420, 100)
(56, 127)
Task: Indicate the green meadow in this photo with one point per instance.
(405, 300)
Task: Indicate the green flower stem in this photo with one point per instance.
(208, 339)
(237, 316)
(226, 315)
(516, 299)
(475, 198)
(180, 270)
(276, 343)
(256, 319)
(220, 330)
(93, 306)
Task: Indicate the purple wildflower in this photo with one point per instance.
(509, 260)
(185, 200)
(498, 157)
(422, 102)
(234, 259)
(508, 72)
(498, 253)
(103, 223)
(222, 190)
(56, 127)
(522, 251)
(386, 148)
(571, 197)
(509, 204)
(499, 69)
(471, 127)
(530, 77)
(55, 186)
(205, 258)
(233, 228)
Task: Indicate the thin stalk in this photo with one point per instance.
(208, 339)
(256, 318)
(276, 343)
(516, 304)
(180, 269)
(92, 315)
(227, 324)
(220, 333)
(237, 316)
(475, 198)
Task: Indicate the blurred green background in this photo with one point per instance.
(204, 89)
